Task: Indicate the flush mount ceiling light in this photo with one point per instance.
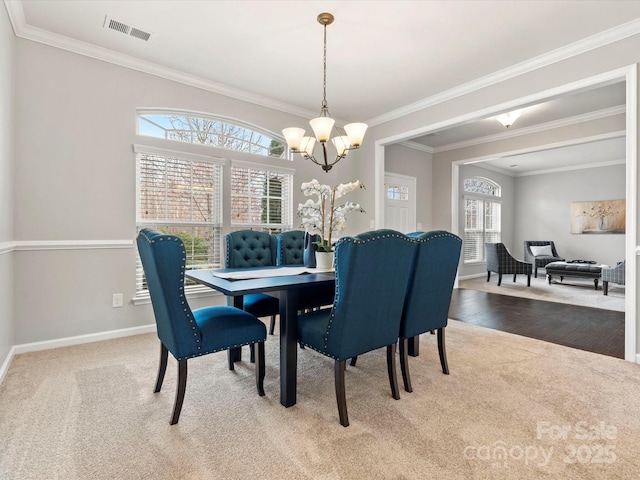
(322, 125)
(507, 119)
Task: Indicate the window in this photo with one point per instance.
(260, 198)
(180, 194)
(212, 131)
(482, 209)
(398, 192)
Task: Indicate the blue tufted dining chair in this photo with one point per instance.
(291, 252)
(190, 333)
(372, 273)
(429, 295)
(250, 248)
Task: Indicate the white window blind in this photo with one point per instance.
(260, 198)
(482, 218)
(180, 195)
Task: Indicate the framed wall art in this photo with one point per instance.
(605, 216)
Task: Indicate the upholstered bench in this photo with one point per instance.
(572, 269)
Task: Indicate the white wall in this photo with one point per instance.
(414, 163)
(542, 211)
(6, 186)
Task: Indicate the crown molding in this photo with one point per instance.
(418, 146)
(587, 44)
(28, 32)
(541, 127)
(572, 168)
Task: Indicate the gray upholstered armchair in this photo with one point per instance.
(539, 253)
(615, 274)
(500, 261)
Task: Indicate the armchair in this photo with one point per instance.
(372, 274)
(500, 261)
(250, 248)
(429, 295)
(539, 255)
(190, 333)
(615, 274)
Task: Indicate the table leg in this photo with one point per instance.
(236, 353)
(414, 346)
(288, 346)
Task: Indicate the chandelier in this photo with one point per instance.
(322, 125)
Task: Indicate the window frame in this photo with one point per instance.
(484, 201)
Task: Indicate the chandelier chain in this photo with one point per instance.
(324, 68)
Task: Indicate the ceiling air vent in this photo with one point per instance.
(126, 29)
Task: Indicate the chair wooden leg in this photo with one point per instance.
(488, 275)
(391, 367)
(605, 287)
(182, 385)
(272, 326)
(353, 361)
(499, 279)
(230, 358)
(260, 367)
(529, 280)
(162, 367)
(442, 351)
(514, 277)
(252, 355)
(404, 364)
(340, 392)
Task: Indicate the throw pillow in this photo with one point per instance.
(544, 250)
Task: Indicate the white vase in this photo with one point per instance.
(324, 260)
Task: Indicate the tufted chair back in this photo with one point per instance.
(250, 248)
(429, 295)
(164, 259)
(372, 266)
(291, 247)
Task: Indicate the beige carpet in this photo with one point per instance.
(88, 412)
(576, 291)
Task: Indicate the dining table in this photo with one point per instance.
(282, 282)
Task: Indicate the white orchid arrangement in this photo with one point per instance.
(323, 216)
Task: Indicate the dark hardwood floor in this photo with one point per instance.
(591, 329)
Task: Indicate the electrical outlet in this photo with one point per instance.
(419, 225)
(372, 224)
(118, 300)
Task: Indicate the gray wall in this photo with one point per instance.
(75, 182)
(74, 171)
(414, 163)
(542, 211)
(7, 41)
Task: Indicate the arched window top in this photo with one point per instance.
(481, 185)
(209, 130)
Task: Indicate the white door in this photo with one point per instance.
(400, 202)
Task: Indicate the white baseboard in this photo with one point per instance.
(7, 362)
(475, 275)
(69, 341)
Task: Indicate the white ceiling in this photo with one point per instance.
(382, 56)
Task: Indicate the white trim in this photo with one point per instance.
(572, 168)
(262, 166)
(80, 339)
(4, 368)
(37, 245)
(563, 122)
(7, 247)
(598, 40)
(418, 146)
(196, 157)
